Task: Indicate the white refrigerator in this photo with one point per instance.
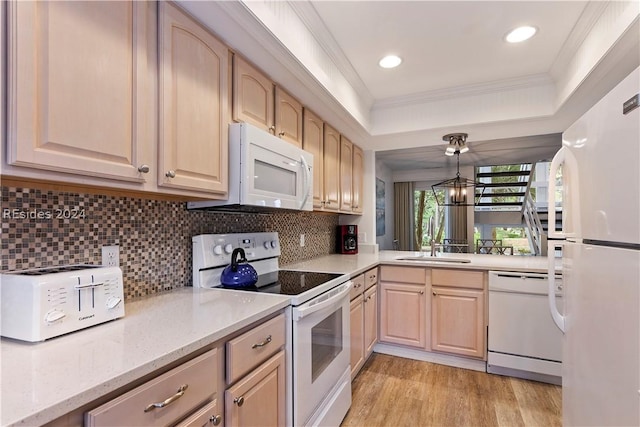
(600, 248)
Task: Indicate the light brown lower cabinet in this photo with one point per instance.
(357, 334)
(165, 399)
(402, 314)
(370, 320)
(457, 321)
(259, 398)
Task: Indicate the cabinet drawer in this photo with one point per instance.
(371, 278)
(403, 274)
(358, 286)
(253, 347)
(457, 278)
(207, 416)
(198, 375)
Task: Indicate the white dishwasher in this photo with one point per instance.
(523, 340)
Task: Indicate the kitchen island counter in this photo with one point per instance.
(43, 381)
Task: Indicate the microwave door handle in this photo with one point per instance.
(307, 180)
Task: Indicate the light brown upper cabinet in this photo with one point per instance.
(346, 174)
(357, 184)
(193, 102)
(313, 142)
(76, 95)
(288, 118)
(331, 165)
(252, 95)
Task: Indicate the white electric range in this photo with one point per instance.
(318, 371)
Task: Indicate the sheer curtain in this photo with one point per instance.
(403, 214)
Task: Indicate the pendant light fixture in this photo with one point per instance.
(457, 191)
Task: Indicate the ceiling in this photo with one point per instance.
(457, 75)
(446, 44)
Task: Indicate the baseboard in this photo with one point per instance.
(426, 356)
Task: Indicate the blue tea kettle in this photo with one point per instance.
(237, 275)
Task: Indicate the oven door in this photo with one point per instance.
(278, 179)
(320, 349)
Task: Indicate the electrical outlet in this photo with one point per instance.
(302, 240)
(111, 256)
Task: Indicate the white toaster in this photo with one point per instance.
(47, 302)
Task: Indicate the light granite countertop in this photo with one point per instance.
(43, 381)
(356, 264)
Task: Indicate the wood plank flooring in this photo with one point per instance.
(392, 391)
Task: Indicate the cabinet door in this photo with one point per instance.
(457, 323)
(370, 320)
(193, 105)
(402, 314)
(346, 174)
(252, 95)
(288, 118)
(331, 168)
(357, 335)
(259, 398)
(313, 142)
(358, 181)
(76, 90)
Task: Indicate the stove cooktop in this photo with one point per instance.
(287, 282)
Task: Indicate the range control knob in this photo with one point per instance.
(228, 248)
(267, 245)
(113, 302)
(54, 315)
(274, 244)
(217, 249)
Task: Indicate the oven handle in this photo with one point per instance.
(321, 303)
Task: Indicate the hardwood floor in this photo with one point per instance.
(392, 391)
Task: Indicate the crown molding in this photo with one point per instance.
(585, 23)
(316, 26)
(536, 80)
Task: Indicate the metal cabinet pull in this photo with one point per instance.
(272, 129)
(263, 343)
(215, 420)
(170, 174)
(434, 294)
(281, 134)
(143, 169)
(239, 401)
(421, 292)
(168, 401)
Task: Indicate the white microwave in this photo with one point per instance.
(265, 173)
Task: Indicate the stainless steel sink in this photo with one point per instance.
(434, 259)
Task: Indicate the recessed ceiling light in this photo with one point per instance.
(390, 61)
(520, 34)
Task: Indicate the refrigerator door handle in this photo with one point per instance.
(570, 195)
(558, 318)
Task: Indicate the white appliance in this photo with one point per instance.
(44, 303)
(600, 245)
(265, 173)
(318, 343)
(523, 342)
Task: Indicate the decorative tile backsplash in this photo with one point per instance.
(42, 228)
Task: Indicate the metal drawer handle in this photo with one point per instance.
(170, 400)
(215, 420)
(263, 343)
(239, 401)
(434, 294)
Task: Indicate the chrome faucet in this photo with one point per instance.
(432, 227)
